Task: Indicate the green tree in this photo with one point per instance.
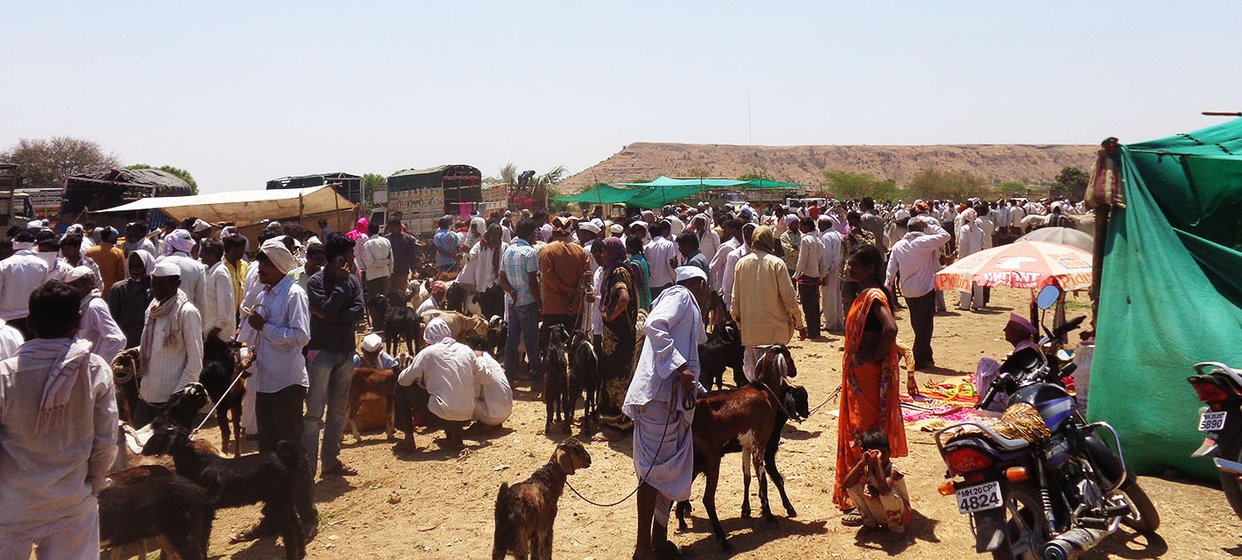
(951, 185)
(372, 182)
(47, 162)
(850, 186)
(508, 174)
(179, 172)
(1071, 183)
(1011, 188)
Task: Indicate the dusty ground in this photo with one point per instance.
(444, 501)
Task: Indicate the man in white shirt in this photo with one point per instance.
(20, 274)
(481, 272)
(219, 308)
(661, 256)
(97, 326)
(730, 267)
(830, 288)
(709, 240)
(666, 374)
(969, 242)
(58, 424)
(810, 273)
(732, 240)
(172, 343)
(377, 262)
(177, 248)
(915, 258)
(440, 384)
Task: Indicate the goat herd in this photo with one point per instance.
(167, 486)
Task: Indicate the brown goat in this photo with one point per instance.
(526, 511)
(372, 384)
(746, 415)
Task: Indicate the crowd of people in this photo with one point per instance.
(645, 288)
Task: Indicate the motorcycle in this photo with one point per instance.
(1220, 388)
(1040, 482)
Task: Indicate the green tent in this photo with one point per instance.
(663, 181)
(656, 197)
(600, 194)
(1170, 292)
(768, 184)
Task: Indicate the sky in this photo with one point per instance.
(241, 92)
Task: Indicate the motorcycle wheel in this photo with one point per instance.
(1230, 483)
(1148, 519)
(1025, 533)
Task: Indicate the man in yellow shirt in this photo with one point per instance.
(765, 304)
(234, 248)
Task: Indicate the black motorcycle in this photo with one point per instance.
(1039, 482)
(1220, 388)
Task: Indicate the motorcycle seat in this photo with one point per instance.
(1020, 426)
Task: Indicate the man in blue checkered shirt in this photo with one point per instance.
(519, 278)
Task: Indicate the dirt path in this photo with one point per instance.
(436, 504)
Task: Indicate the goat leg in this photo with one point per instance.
(769, 464)
(763, 486)
(747, 451)
(682, 510)
(712, 472)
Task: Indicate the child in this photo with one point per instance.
(877, 489)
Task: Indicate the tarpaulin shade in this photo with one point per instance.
(600, 194)
(243, 207)
(656, 197)
(1170, 292)
(663, 181)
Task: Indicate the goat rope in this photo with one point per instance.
(254, 352)
(672, 411)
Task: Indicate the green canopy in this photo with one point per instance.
(663, 181)
(768, 184)
(600, 194)
(1170, 292)
(656, 197)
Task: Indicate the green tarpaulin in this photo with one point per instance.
(600, 194)
(1170, 293)
(663, 181)
(768, 184)
(655, 197)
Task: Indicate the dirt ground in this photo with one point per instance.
(436, 504)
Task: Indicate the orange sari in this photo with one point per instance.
(869, 397)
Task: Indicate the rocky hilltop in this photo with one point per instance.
(1033, 164)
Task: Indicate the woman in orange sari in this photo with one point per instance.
(870, 384)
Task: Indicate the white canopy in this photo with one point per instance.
(244, 207)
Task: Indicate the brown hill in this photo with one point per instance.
(1033, 164)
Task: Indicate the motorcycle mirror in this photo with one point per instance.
(1064, 356)
(1048, 297)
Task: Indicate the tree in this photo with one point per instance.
(372, 182)
(946, 185)
(852, 186)
(179, 172)
(47, 162)
(1071, 183)
(508, 174)
(1010, 189)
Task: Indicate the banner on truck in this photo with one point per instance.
(420, 208)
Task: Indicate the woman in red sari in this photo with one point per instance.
(870, 384)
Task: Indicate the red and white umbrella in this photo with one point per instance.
(1019, 265)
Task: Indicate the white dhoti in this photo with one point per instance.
(830, 298)
(663, 452)
(249, 419)
(76, 536)
(972, 299)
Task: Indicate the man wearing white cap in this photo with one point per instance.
(373, 354)
(20, 274)
(172, 343)
(106, 337)
(440, 385)
(664, 381)
(617, 230)
(278, 327)
(177, 247)
(661, 256)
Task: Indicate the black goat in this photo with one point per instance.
(583, 377)
(270, 478)
(401, 322)
(148, 503)
(377, 309)
(556, 378)
(722, 350)
(219, 371)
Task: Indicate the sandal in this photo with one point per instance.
(851, 518)
(340, 469)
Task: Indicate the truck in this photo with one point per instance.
(15, 208)
(422, 196)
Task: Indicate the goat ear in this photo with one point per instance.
(563, 460)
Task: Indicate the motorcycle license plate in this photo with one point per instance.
(1212, 421)
(979, 498)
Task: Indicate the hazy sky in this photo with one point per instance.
(241, 92)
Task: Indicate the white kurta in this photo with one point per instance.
(830, 291)
(97, 327)
(663, 443)
(493, 401)
(20, 274)
(192, 273)
(219, 309)
(969, 242)
(449, 370)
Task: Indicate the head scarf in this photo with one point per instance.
(148, 262)
(969, 215)
(359, 231)
(280, 256)
(762, 240)
(478, 226)
(614, 256)
(70, 358)
(179, 241)
(437, 330)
